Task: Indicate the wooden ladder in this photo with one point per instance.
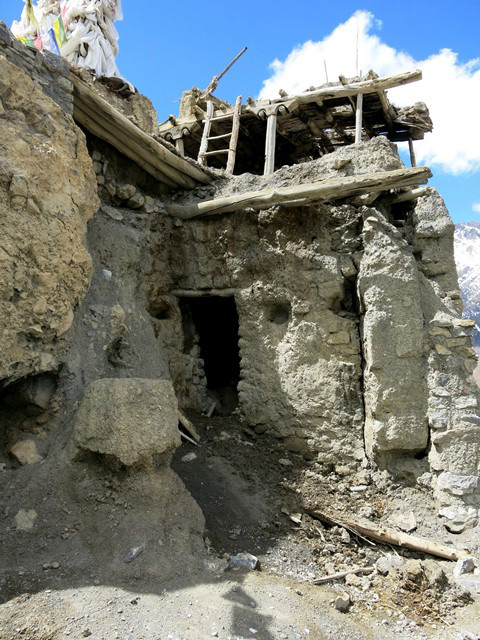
(231, 152)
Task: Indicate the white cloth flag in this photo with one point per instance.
(92, 40)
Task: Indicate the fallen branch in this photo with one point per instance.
(188, 426)
(380, 533)
(322, 191)
(343, 574)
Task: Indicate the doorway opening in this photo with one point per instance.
(213, 321)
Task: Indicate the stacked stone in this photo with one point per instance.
(454, 419)
(48, 70)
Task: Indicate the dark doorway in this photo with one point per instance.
(215, 321)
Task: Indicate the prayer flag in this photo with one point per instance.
(59, 30)
(53, 44)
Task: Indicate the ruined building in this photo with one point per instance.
(273, 261)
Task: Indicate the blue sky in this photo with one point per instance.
(168, 47)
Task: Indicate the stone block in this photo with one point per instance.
(132, 420)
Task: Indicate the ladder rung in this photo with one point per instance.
(227, 116)
(224, 135)
(217, 153)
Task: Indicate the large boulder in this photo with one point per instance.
(48, 192)
(130, 421)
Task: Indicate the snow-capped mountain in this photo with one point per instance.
(467, 257)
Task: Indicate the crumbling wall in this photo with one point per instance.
(342, 354)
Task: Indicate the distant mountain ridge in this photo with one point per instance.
(467, 257)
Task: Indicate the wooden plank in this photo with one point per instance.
(358, 119)
(270, 142)
(323, 191)
(381, 533)
(117, 122)
(202, 158)
(234, 137)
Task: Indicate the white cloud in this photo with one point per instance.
(450, 89)
(476, 207)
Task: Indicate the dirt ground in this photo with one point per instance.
(253, 495)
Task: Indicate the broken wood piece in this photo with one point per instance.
(323, 191)
(381, 533)
(212, 409)
(344, 574)
(188, 426)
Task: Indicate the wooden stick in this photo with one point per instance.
(124, 128)
(358, 119)
(380, 533)
(270, 141)
(344, 574)
(188, 439)
(412, 153)
(188, 425)
(327, 190)
(202, 158)
(232, 150)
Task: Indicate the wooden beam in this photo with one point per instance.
(270, 142)
(91, 124)
(372, 85)
(323, 191)
(115, 122)
(203, 293)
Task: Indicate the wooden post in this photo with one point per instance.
(358, 119)
(180, 146)
(202, 158)
(232, 149)
(413, 160)
(270, 141)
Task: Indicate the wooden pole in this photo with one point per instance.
(232, 149)
(270, 141)
(202, 158)
(358, 119)
(322, 191)
(413, 160)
